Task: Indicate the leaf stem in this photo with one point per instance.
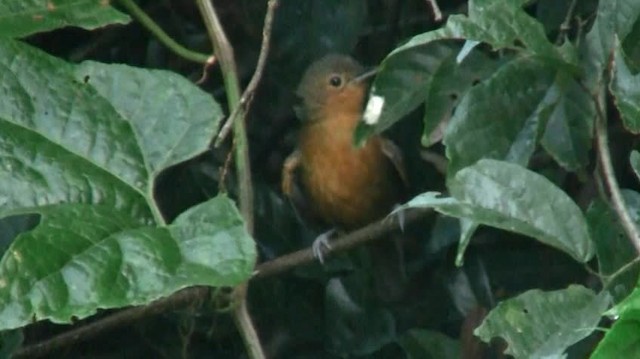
(164, 38)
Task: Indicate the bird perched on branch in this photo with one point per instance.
(346, 186)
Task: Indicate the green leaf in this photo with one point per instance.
(614, 18)
(622, 340)
(82, 146)
(26, 17)
(106, 259)
(154, 101)
(510, 197)
(502, 24)
(427, 344)
(626, 91)
(500, 117)
(569, 130)
(539, 324)
(613, 249)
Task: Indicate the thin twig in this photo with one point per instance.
(370, 233)
(164, 38)
(608, 172)
(247, 96)
(437, 14)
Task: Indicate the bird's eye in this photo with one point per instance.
(335, 81)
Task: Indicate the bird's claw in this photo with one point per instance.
(399, 211)
(321, 245)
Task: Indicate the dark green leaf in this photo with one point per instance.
(26, 17)
(626, 91)
(500, 117)
(426, 344)
(613, 249)
(85, 257)
(510, 197)
(569, 130)
(539, 324)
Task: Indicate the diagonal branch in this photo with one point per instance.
(247, 96)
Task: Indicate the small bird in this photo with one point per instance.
(346, 186)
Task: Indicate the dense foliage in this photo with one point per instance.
(517, 120)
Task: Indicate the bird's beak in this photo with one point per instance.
(365, 75)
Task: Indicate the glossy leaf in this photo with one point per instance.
(26, 17)
(510, 197)
(626, 90)
(106, 259)
(539, 324)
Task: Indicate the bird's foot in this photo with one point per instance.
(321, 245)
(398, 210)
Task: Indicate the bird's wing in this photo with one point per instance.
(392, 151)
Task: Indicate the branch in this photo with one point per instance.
(164, 38)
(115, 320)
(247, 96)
(610, 180)
(370, 233)
(224, 52)
(359, 237)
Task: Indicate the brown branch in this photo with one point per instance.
(115, 320)
(370, 233)
(604, 157)
(610, 181)
(247, 96)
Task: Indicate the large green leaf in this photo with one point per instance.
(500, 117)
(539, 324)
(510, 197)
(626, 91)
(85, 257)
(19, 18)
(81, 146)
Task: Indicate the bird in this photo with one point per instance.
(346, 187)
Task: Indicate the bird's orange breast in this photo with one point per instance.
(348, 187)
